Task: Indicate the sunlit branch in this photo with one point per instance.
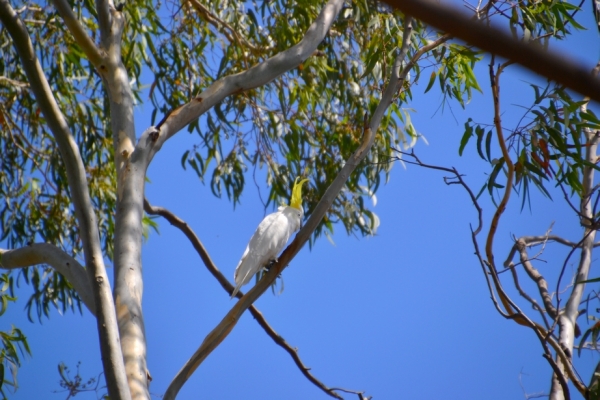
(535, 276)
(529, 241)
(44, 253)
(103, 8)
(212, 268)
(534, 303)
(81, 37)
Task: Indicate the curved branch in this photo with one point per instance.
(45, 253)
(81, 37)
(495, 82)
(534, 303)
(84, 211)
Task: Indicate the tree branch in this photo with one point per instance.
(256, 76)
(218, 22)
(81, 37)
(534, 303)
(568, 318)
(12, 82)
(220, 332)
(88, 229)
(45, 253)
(547, 63)
(212, 268)
(103, 8)
(539, 280)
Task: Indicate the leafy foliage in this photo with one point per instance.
(13, 344)
(305, 123)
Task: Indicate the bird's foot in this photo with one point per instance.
(270, 264)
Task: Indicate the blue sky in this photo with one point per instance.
(403, 314)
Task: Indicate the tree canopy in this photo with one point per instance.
(271, 91)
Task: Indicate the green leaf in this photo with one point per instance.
(431, 81)
(492, 180)
(488, 144)
(466, 136)
(184, 158)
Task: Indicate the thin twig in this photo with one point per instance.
(14, 82)
(218, 22)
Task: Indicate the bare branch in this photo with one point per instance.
(495, 83)
(103, 8)
(456, 175)
(534, 240)
(360, 394)
(539, 280)
(88, 229)
(44, 253)
(553, 66)
(81, 37)
(526, 296)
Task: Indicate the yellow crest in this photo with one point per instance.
(296, 200)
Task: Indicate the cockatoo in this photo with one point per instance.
(270, 237)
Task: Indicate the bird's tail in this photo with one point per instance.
(236, 290)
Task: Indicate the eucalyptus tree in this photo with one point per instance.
(313, 89)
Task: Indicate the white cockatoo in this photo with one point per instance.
(270, 237)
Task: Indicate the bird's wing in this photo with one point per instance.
(258, 252)
(265, 244)
(270, 236)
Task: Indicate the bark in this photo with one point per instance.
(106, 319)
(568, 316)
(131, 163)
(67, 266)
